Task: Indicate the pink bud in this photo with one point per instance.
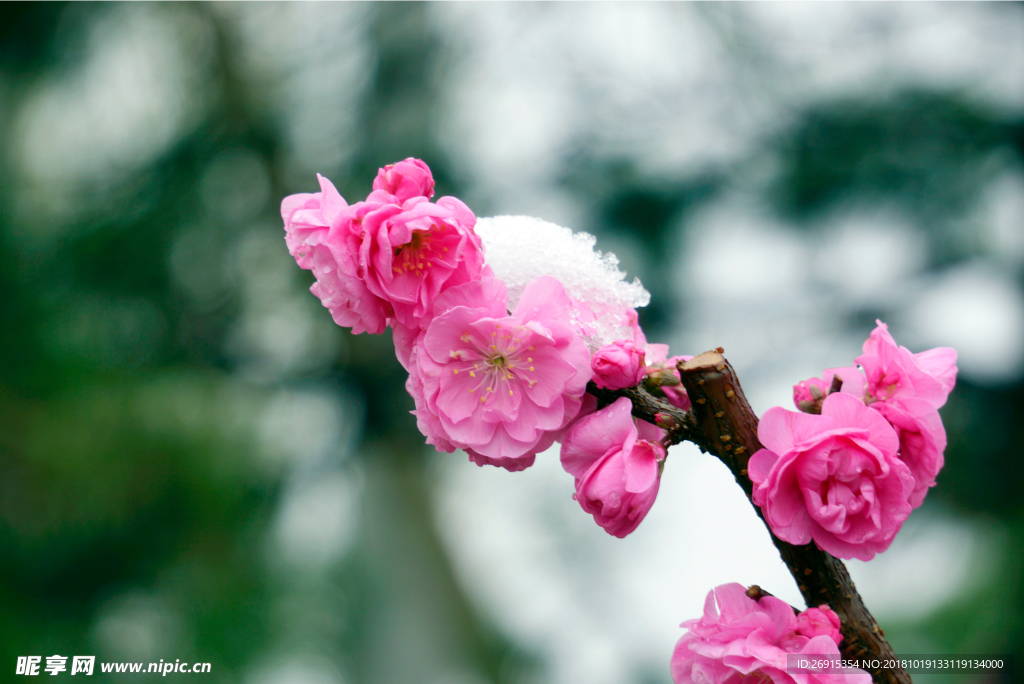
(617, 474)
(406, 179)
(618, 365)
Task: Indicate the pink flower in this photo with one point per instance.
(319, 232)
(922, 440)
(618, 365)
(820, 620)
(907, 389)
(410, 253)
(739, 639)
(617, 473)
(423, 388)
(405, 180)
(384, 260)
(501, 387)
(894, 373)
(664, 369)
(833, 478)
(809, 394)
(307, 219)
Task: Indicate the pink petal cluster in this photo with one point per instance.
(383, 261)
(617, 470)
(907, 390)
(739, 639)
(405, 180)
(314, 223)
(820, 620)
(922, 440)
(894, 373)
(500, 386)
(618, 365)
(834, 478)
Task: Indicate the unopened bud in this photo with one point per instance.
(664, 421)
(810, 407)
(661, 376)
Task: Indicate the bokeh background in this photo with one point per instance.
(197, 464)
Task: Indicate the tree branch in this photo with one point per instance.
(679, 425)
(723, 424)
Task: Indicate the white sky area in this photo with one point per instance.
(678, 89)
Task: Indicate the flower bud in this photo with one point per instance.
(405, 180)
(618, 365)
(617, 474)
(664, 421)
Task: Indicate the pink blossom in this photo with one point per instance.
(617, 473)
(922, 440)
(410, 253)
(307, 219)
(618, 365)
(501, 387)
(384, 260)
(423, 388)
(405, 339)
(320, 231)
(665, 369)
(739, 639)
(405, 180)
(820, 620)
(895, 373)
(833, 478)
(805, 397)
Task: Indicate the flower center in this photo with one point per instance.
(415, 255)
(505, 363)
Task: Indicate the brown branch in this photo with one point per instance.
(726, 427)
(680, 425)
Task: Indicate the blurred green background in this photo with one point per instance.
(196, 464)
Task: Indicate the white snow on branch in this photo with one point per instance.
(522, 248)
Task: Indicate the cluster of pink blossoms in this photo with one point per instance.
(848, 469)
(740, 639)
(500, 384)
(505, 383)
